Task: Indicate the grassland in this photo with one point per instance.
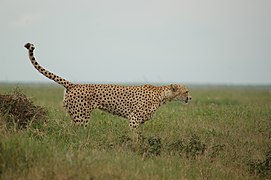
(224, 133)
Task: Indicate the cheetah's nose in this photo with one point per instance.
(188, 99)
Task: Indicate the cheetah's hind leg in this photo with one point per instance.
(81, 118)
(80, 115)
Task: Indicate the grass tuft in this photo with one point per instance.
(18, 109)
(262, 167)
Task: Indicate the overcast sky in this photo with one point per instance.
(185, 41)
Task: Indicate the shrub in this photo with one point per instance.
(19, 109)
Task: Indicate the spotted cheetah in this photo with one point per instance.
(135, 103)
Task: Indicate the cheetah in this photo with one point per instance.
(135, 103)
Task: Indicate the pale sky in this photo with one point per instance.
(147, 41)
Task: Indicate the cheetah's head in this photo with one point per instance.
(178, 92)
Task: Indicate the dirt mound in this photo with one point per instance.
(18, 108)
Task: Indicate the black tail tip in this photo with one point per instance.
(29, 46)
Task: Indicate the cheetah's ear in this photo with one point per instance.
(173, 87)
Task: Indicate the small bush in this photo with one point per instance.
(261, 168)
(191, 148)
(154, 146)
(19, 109)
(194, 147)
(146, 146)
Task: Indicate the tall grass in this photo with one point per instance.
(225, 133)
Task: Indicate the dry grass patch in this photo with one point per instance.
(18, 108)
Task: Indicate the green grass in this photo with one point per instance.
(224, 133)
